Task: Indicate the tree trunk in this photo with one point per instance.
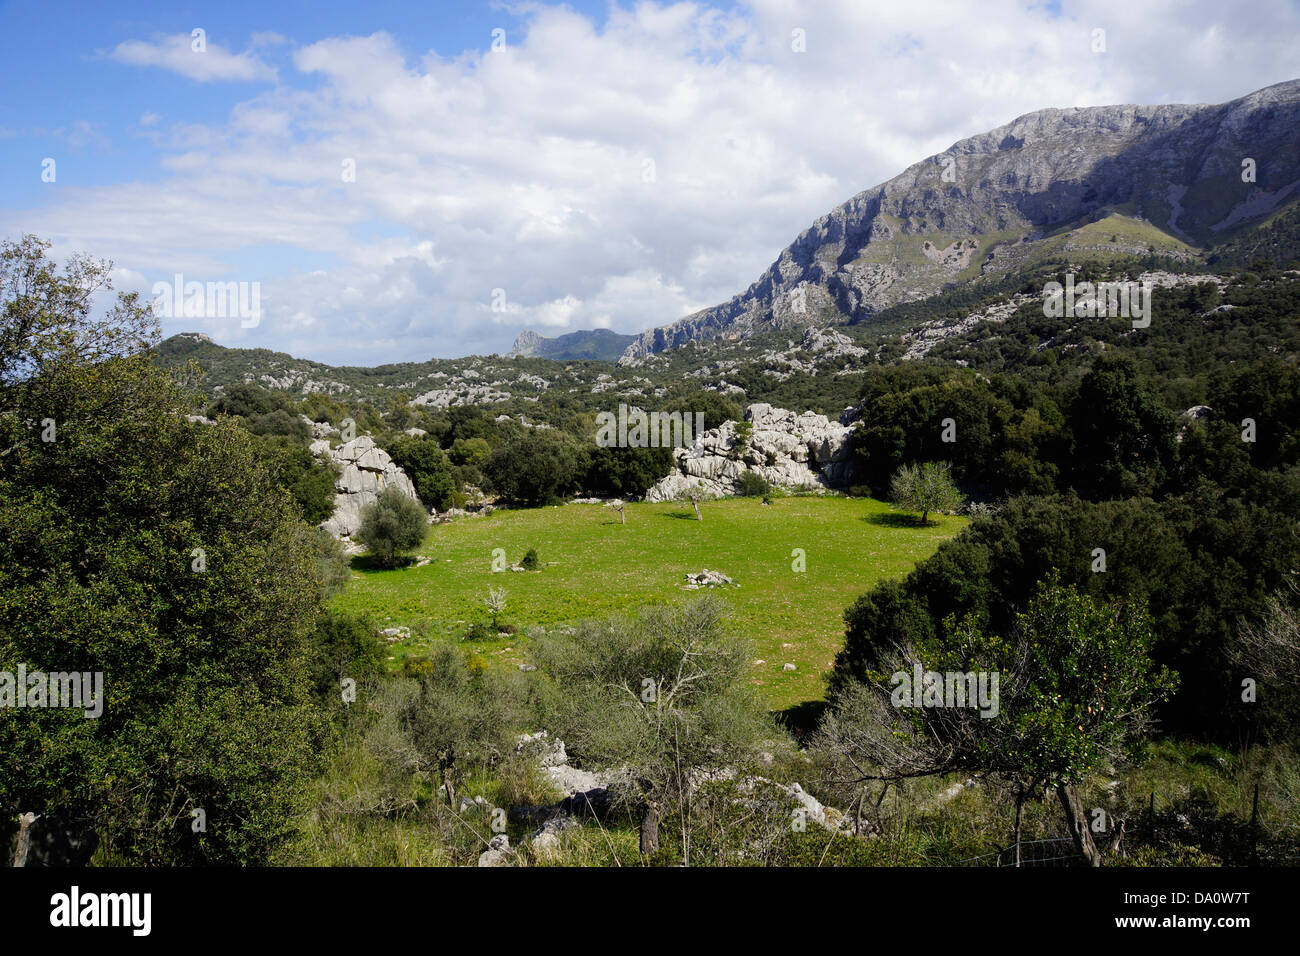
(924, 517)
(1077, 820)
(650, 831)
(698, 516)
(25, 821)
(622, 516)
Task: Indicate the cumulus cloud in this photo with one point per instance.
(619, 175)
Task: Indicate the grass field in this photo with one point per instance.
(591, 565)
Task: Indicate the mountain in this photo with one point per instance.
(1095, 182)
(600, 345)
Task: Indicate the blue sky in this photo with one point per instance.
(615, 165)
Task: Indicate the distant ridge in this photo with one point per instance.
(600, 345)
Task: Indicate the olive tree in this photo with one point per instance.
(1076, 688)
(665, 695)
(391, 527)
(926, 487)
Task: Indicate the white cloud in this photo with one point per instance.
(527, 169)
(178, 54)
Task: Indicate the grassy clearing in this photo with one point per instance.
(591, 566)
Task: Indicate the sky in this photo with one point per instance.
(428, 181)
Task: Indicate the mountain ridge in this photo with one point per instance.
(992, 202)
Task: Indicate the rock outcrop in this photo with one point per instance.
(792, 451)
(364, 470)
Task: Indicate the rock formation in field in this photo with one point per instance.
(364, 470)
(792, 451)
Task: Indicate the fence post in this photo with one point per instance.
(1254, 828)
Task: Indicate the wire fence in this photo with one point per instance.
(1051, 852)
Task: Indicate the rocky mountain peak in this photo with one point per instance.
(1170, 175)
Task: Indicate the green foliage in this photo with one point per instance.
(1201, 566)
(716, 407)
(666, 693)
(247, 401)
(307, 478)
(535, 468)
(744, 432)
(626, 472)
(99, 575)
(530, 560)
(426, 464)
(279, 422)
(449, 720)
(392, 526)
(1123, 436)
(753, 485)
(342, 646)
(926, 487)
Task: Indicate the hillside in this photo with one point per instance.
(1103, 181)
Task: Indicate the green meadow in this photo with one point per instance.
(592, 565)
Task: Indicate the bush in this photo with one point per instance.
(626, 472)
(530, 560)
(342, 645)
(753, 485)
(392, 526)
(426, 464)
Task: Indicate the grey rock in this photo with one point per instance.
(364, 470)
(498, 852)
(789, 450)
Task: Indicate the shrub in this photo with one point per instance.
(426, 464)
(753, 485)
(530, 561)
(391, 526)
(535, 468)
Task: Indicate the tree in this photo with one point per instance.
(666, 695)
(391, 527)
(426, 464)
(716, 408)
(626, 472)
(753, 485)
(308, 478)
(162, 556)
(1124, 438)
(496, 604)
(1075, 692)
(925, 487)
(1269, 653)
(535, 468)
